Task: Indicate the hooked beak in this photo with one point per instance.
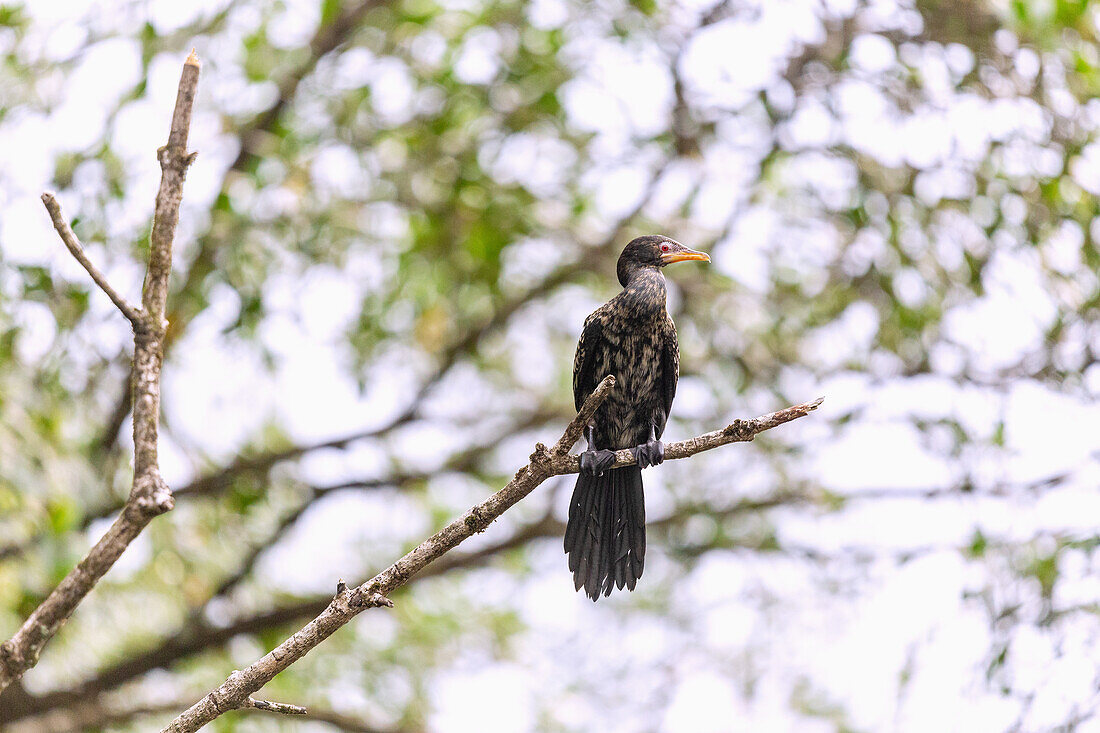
(683, 254)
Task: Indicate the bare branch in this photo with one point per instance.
(199, 636)
(739, 431)
(573, 431)
(348, 603)
(274, 707)
(73, 244)
(112, 715)
(174, 161)
(149, 496)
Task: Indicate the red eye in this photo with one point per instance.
(664, 248)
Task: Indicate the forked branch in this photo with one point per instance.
(149, 495)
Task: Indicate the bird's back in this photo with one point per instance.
(630, 345)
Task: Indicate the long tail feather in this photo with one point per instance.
(605, 536)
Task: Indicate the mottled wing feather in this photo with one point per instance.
(584, 363)
(670, 373)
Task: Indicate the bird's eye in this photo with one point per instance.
(664, 248)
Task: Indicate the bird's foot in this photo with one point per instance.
(595, 462)
(651, 453)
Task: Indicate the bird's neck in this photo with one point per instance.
(644, 294)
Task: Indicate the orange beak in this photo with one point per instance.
(684, 255)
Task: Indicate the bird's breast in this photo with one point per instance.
(632, 352)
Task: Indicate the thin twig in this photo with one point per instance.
(110, 716)
(274, 707)
(73, 244)
(149, 496)
(348, 603)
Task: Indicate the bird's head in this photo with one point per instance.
(653, 251)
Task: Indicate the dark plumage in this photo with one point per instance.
(632, 337)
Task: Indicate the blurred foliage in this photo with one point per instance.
(428, 197)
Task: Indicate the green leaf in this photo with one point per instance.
(330, 9)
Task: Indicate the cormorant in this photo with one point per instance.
(632, 337)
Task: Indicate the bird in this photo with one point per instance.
(633, 338)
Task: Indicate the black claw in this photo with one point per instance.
(595, 462)
(651, 453)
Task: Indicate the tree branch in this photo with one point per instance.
(198, 636)
(274, 707)
(348, 603)
(110, 716)
(73, 244)
(149, 496)
(739, 431)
